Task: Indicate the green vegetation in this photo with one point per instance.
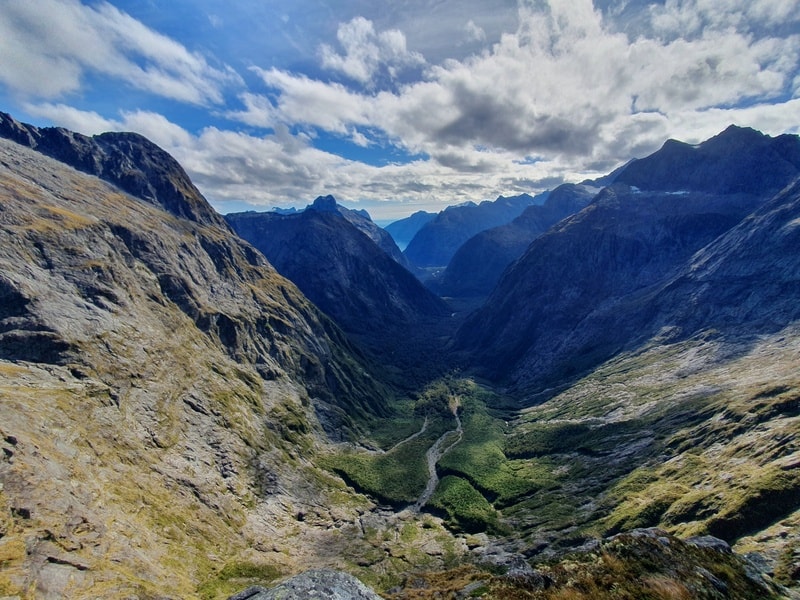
(480, 458)
(465, 507)
(396, 477)
(399, 475)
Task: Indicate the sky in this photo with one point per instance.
(400, 106)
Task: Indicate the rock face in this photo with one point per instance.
(128, 160)
(750, 275)
(607, 277)
(158, 381)
(344, 273)
(222, 285)
(361, 220)
(477, 266)
(437, 241)
(319, 584)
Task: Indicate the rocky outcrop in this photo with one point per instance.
(319, 584)
(128, 160)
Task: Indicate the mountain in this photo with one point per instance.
(177, 420)
(689, 424)
(161, 385)
(738, 160)
(128, 160)
(478, 264)
(746, 284)
(346, 274)
(586, 289)
(404, 230)
(437, 241)
(651, 341)
(361, 220)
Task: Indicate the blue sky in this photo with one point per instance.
(400, 106)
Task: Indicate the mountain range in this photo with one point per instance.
(478, 263)
(404, 230)
(438, 240)
(586, 289)
(194, 406)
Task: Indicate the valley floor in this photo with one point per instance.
(694, 437)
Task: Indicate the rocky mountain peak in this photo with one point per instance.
(325, 204)
(361, 220)
(738, 160)
(128, 160)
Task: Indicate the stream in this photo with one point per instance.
(433, 455)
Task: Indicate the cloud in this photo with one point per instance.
(50, 46)
(568, 93)
(691, 18)
(281, 169)
(367, 53)
(560, 83)
(474, 32)
(330, 106)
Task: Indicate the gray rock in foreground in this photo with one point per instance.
(320, 584)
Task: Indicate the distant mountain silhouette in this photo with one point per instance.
(477, 266)
(738, 160)
(439, 239)
(404, 230)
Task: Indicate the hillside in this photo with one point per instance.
(585, 290)
(162, 388)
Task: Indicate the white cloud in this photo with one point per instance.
(330, 106)
(474, 32)
(568, 94)
(690, 18)
(50, 46)
(282, 169)
(556, 85)
(367, 53)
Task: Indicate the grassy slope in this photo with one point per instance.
(697, 438)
